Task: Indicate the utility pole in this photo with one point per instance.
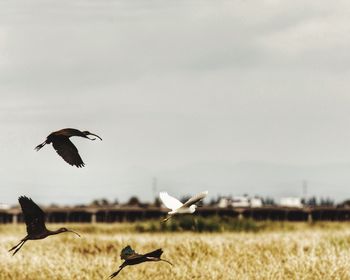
(154, 186)
(304, 189)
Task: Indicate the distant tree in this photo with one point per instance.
(80, 206)
(345, 204)
(54, 205)
(134, 201)
(157, 202)
(104, 202)
(312, 202)
(95, 202)
(100, 202)
(268, 201)
(213, 202)
(326, 202)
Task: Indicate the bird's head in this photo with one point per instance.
(67, 230)
(193, 208)
(86, 133)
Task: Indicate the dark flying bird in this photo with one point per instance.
(177, 207)
(132, 258)
(64, 147)
(34, 218)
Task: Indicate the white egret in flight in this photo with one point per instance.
(180, 208)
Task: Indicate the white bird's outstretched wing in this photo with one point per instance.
(195, 199)
(169, 201)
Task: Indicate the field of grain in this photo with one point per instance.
(285, 252)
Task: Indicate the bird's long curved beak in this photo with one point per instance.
(74, 232)
(166, 262)
(95, 136)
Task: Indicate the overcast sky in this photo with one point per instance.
(175, 88)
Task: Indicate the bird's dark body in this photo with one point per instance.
(64, 147)
(34, 218)
(41, 235)
(149, 257)
(133, 258)
(66, 132)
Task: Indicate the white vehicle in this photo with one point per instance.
(240, 201)
(4, 206)
(291, 202)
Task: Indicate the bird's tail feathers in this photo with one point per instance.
(37, 148)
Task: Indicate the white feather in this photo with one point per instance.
(169, 201)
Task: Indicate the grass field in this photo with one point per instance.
(282, 251)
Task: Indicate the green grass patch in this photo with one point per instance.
(200, 224)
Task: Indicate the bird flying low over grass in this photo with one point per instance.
(64, 147)
(130, 257)
(177, 207)
(34, 218)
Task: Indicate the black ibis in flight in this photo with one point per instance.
(130, 257)
(34, 218)
(64, 147)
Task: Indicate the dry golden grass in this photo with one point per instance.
(305, 252)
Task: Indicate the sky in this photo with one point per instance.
(230, 96)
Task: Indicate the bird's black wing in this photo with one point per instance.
(34, 217)
(128, 253)
(66, 149)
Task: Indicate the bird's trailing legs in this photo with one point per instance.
(167, 218)
(18, 246)
(117, 272)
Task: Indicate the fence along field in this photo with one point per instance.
(274, 251)
(113, 214)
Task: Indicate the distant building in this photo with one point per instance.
(224, 202)
(256, 202)
(239, 201)
(291, 202)
(4, 206)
